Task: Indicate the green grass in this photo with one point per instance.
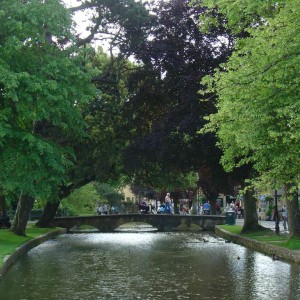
(9, 242)
(267, 236)
(292, 244)
(232, 228)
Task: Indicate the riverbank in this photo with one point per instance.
(267, 246)
(13, 246)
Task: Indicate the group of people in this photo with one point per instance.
(205, 209)
(105, 209)
(164, 208)
(167, 206)
(144, 207)
(236, 208)
(201, 209)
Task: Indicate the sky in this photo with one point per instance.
(81, 19)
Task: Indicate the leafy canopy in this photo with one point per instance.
(258, 99)
(42, 81)
(237, 15)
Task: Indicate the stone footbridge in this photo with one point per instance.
(108, 223)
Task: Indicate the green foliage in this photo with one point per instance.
(65, 211)
(239, 14)
(269, 198)
(155, 178)
(33, 166)
(82, 201)
(43, 83)
(258, 99)
(109, 193)
(269, 210)
(202, 199)
(184, 181)
(107, 135)
(39, 203)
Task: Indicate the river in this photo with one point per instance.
(148, 266)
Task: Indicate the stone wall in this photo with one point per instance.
(281, 252)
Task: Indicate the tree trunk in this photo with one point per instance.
(194, 207)
(175, 195)
(209, 187)
(4, 223)
(3, 205)
(250, 212)
(292, 205)
(213, 206)
(48, 215)
(51, 207)
(22, 214)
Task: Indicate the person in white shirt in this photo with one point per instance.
(168, 204)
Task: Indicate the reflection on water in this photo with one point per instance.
(148, 266)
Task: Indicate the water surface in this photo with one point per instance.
(148, 266)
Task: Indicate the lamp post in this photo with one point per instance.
(276, 214)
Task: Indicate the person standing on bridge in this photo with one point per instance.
(206, 208)
(168, 204)
(105, 209)
(100, 210)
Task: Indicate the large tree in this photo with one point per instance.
(98, 153)
(52, 75)
(43, 81)
(258, 102)
(164, 105)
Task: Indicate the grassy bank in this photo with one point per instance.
(9, 242)
(267, 236)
